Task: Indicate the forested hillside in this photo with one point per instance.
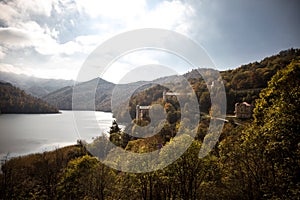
(15, 100)
(246, 82)
(241, 84)
(259, 160)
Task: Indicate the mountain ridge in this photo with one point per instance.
(239, 84)
(35, 86)
(241, 80)
(14, 100)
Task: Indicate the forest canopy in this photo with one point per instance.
(15, 100)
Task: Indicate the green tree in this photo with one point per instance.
(114, 128)
(277, 113)
(263, 161)
(77, 178)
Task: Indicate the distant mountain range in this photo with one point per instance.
(62, 98)
(242, 84)
(37, 87)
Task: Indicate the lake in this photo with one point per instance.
(22, 134)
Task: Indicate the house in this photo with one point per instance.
(243, 110)
(142, 112)
(166, 94)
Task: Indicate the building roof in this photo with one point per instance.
(247, 104)
(244, 103)
(144, 107)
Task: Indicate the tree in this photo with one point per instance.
(277, 113)
(114, 128)
(79, 180)
(263, 160)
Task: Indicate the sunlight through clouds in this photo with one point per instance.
(62, 29)
(38, 32)
(113, 9)
(145, 58)
(13, 69)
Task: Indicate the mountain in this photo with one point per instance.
(242, 84)
(37, 87)
(62, 98)
(15, 100)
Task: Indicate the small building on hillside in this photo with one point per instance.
(166, 94)
(215, 84)
(142, 112)
(243, 110)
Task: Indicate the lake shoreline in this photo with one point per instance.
(23, 134)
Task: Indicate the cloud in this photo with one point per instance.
(56, 73)
(43, 43)
(88, 43)
(15, 11)
(19, 38)
(70, 48)
(13, 37)
(54, 36)
(129, 62)
(8, 13)
(118, 16)
(57, 67)
(36, 7)
(31, 26)
(2, 53)
(113, 9)
(136, 14)
(4, 67)
(145, 59)
(174, 15)
(63, 29)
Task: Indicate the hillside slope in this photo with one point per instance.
(242, 84)
(15, 100)
(245, 82)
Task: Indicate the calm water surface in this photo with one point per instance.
(22, 134)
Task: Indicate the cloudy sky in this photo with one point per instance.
(52, 38)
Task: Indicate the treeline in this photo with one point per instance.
(241, 84)
(36, 176)
(260, 160)
(246, 82)
(15, 100)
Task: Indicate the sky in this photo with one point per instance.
(53, 38)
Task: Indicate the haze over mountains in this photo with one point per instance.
(62, 98)
(37, 87)
(242, 84)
